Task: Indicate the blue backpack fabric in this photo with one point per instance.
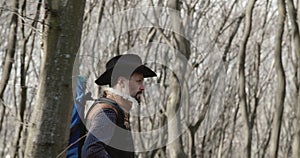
(77, 128)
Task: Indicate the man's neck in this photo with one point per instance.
(125, 101)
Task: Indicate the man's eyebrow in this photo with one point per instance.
(138, 79)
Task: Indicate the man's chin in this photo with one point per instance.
(138, 99)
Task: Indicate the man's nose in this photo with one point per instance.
(142, 87)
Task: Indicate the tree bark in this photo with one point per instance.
(296, 44)
(49, 133)
(9, 56)
(280, 91)
(296, 143)
(242, 80)
(23, 89)
(175, 149)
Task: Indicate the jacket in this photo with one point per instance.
(109, 135)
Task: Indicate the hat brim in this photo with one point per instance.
(105, 78)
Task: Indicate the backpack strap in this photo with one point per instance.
(105, 103)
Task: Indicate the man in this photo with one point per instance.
(108, 118)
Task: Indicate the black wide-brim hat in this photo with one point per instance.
(123, 65)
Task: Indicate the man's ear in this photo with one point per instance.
(121, 81)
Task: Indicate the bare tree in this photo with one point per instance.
(280, 91)
(292, 12)
(242, 81)
(49, 134)
(9, 55)
(175, 149)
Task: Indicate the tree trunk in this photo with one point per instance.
(23, 89)
(296, 143)
(280, 91)
(49, 133)
(177, 93)
(9, 56)
(296, 44)
(242, 80)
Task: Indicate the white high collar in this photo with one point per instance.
(123, 95)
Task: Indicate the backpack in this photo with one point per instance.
(77, 127)
(78, 130)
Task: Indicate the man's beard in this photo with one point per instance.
(138, 96)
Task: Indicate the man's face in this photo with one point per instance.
(136, 86)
